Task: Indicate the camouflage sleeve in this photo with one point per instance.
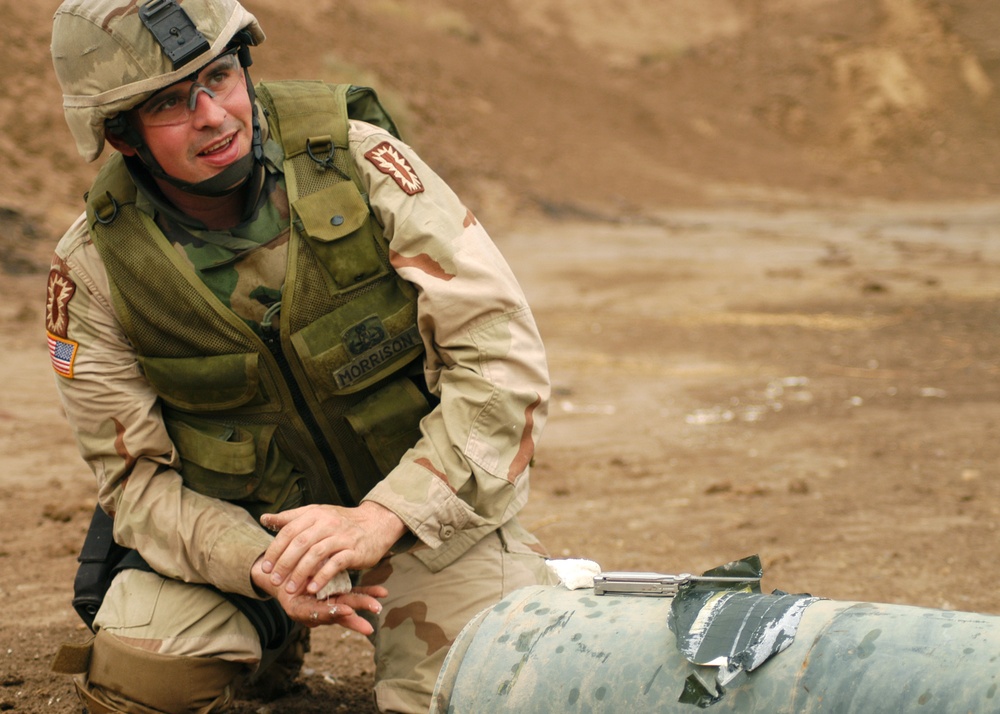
(115, 417)
(469, 471)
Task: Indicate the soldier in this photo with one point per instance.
(273, 313)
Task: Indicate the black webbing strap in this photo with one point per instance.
(98, 558)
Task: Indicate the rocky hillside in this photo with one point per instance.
(586, 108)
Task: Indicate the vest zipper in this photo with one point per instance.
(272, 340)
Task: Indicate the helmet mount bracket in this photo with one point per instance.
(174, 31)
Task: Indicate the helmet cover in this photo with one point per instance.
(107, 61)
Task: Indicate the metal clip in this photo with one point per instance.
(322, 142)
(659, 584)
(101, 213)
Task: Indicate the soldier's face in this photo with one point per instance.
(215, 131)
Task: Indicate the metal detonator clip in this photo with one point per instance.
(659, 584)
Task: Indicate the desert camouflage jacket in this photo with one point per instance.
(483, 361)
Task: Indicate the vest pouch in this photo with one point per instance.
(217, 460)
(235, 462)
(291, 495)
(360, 343)
(388, 421)
(206, 383)
(336, 223)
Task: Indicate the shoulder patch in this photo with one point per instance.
(63, 354)
(387, 159)
(57, 296)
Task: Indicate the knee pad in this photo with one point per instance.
(122, 678)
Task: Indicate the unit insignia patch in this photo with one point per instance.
(389, 161)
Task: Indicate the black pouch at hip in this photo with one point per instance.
(98, 558)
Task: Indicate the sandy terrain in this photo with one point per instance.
(761, 241)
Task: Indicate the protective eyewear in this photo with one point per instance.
(176, 103)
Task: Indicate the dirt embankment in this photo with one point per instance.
(578, 108)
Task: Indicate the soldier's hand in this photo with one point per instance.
(314, 543)
(340, 609)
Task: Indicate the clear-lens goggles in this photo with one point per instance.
(176, 103)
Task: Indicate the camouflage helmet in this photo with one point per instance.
(108, 59)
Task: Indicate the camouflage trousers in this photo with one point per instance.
(167, 646)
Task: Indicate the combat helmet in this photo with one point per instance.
(112, 55)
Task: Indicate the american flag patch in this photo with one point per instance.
(389, 161)
(63, 354)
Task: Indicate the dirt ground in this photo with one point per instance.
(761, 242)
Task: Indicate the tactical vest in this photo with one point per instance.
(319, 411)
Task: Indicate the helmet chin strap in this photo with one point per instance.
(229, 180)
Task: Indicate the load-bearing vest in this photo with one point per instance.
(319, 410)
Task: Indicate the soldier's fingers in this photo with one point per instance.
(348, 552)
(321, 613)
(348, 618)
(290, 542)
(276, 521)
(311, 556)
(307, 610)
(286, 531)
(361, 601)
(372, 590)
(325, 575)
(284, 555)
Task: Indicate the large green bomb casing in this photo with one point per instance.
(550, 649)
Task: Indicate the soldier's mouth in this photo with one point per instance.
(216, 148)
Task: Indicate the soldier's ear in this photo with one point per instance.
(118, 143)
